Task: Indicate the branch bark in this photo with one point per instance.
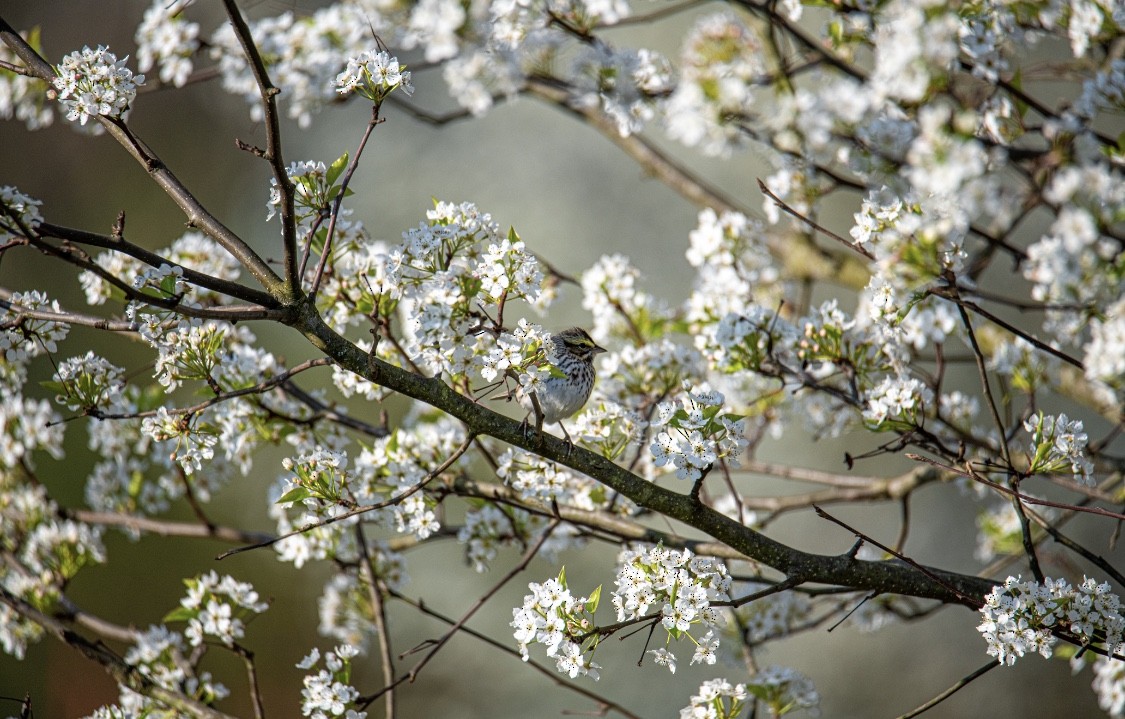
(890, 577)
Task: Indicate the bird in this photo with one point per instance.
(572, 351)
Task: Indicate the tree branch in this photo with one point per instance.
(887, 577)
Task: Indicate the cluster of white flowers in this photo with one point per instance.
(1019, 617)
(329, 693)
(18, 212)
(442, 273)
(374, 75)
(695, 434)
(190, 351)
(193, 249)
(562, 623)
(1086, 20)
(313, 185)
(896, 399)
(507, 269)
(1105, 354)
(627, 84)
(771, 616)
(683, 585)
(1109, 685)
(158, 655)
(545, 482)
(489, 528)
(95, 82)
(514, 23)
(733, 270)
(631, 375)
(343, 606)
(23, 338)
(1059, 444)
(716, 699)
(914, 240)
(719, 64)
(303, 55)
(88, 381)
(202, 254)
(912, 48)
(217, 607)
(54, 550)
(476, 76)
(984, 38)
(29, 425)
(399, 462)
(1000, 533)
(23, 97)
(168, 40)
(608, 428)
(610, 293)
(1105, 90)
(942, 160)
(829, 337)
(166, 281)
(1064, 263)
(784, 690)
(1020, 363)
(320, 475)
(525, 353)
(319, 485)
(1074, 263)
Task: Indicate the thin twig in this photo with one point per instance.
(433, 474)
(252, 680)
(951, 690)
(437, 645)
(952, 294)
(379, 612)
(971, 601)
(117, 243)
(260, 388)
(338, 202)
(550, 673)
(273, 154)
(808, 221)
(165, 527)
(121, 672)
(1027, 499)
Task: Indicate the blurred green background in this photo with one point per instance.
(572, 196)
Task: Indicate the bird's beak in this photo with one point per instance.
(596, 349)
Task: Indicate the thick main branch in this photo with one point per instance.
(891, 577)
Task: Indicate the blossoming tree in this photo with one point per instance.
(936, 123)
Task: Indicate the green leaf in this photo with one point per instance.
(180, 614)
(1017, 82)
(56, 387)
(595, 598)
(836, 32)
(759, 691)
(337, 169)
(296, 494)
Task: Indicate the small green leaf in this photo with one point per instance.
(595, 598)
(1017, 82)
(180, 614)
(296, 494)
(57, 387)
(758, 691)
(337, 168)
